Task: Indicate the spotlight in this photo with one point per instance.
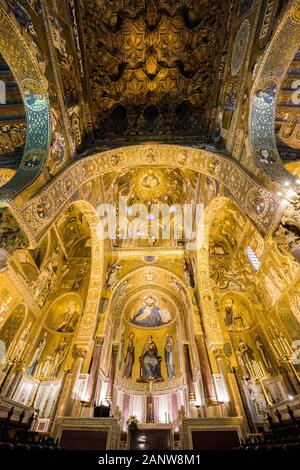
(291, 192)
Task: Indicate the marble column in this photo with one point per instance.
(54, 412)
(79, 354)
(8, 374)
(223, 372)
(290, 378)
(13, 380)
(188, 371)
(208, 385)
(112, 374)
(95, 363)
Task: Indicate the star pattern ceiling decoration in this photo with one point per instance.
(153, 66)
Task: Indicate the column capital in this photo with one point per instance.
(199, 337)
(218, 352)
(99, 340)
(80, 351)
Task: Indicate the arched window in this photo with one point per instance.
(2, 92)
(253, 258)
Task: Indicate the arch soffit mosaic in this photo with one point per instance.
(89, 317)
(211, 321)
(270, 74)
(210, 316)
(88, 321)
(33, 90)
(261, 206)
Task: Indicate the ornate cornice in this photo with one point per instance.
(160, 388)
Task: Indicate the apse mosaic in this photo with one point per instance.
(151, 314)
(151, 356)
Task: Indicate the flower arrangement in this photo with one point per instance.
(132, 424)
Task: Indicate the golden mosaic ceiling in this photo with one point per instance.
(153, 66)
(287, 123)
(153, 186)
(12, 120)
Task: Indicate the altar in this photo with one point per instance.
(152, 436)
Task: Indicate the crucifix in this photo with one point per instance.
(150, 404)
